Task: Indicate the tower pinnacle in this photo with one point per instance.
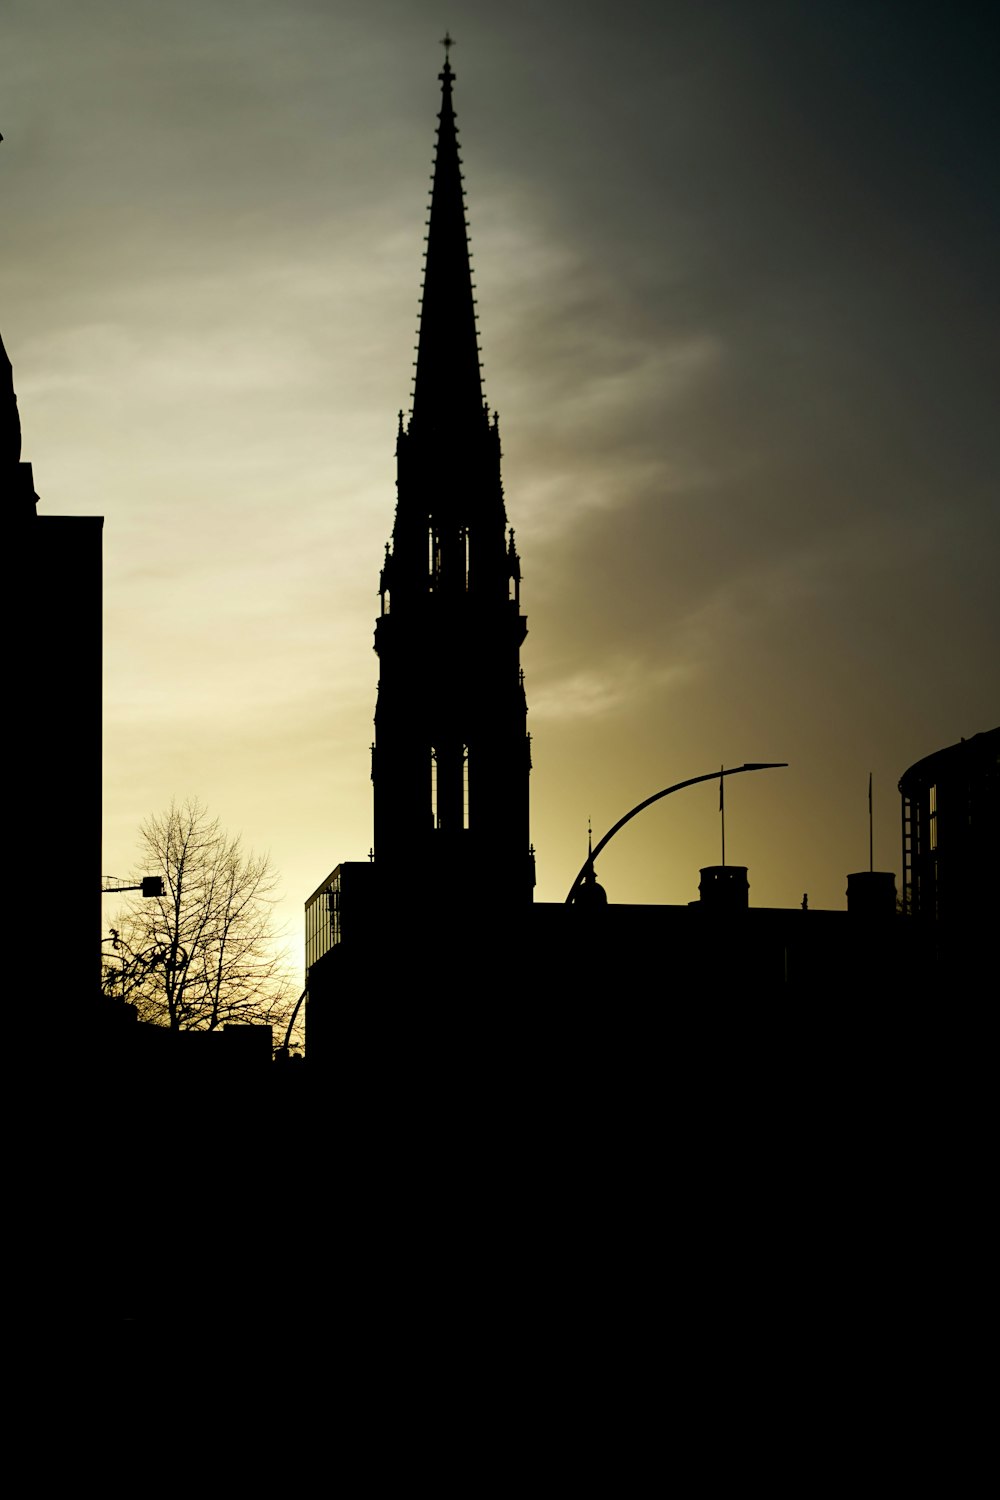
(17, 490)
(10, 426)
(448, 382)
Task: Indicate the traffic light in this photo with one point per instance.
(152, 885)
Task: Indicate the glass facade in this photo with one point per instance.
(321, 908)
(347, 891)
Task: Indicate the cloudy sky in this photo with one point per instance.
(736, 268)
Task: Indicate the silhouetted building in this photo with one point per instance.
(951, 859)
(451, 759)
(55, 801)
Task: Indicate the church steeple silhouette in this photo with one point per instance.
(451, 757)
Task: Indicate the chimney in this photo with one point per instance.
(724, 888)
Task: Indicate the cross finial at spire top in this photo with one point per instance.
(447, 42)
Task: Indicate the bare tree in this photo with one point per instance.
(204, 953)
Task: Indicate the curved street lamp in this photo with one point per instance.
(750, 765)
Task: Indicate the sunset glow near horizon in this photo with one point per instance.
(737, 308)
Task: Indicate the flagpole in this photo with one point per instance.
(722, 811)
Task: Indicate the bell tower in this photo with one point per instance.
(451, 759)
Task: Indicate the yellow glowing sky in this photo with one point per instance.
(737, 295)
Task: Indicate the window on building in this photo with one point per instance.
(465, 786)
(433, 558)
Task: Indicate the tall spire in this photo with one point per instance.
(452, 755)
(448, 383)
